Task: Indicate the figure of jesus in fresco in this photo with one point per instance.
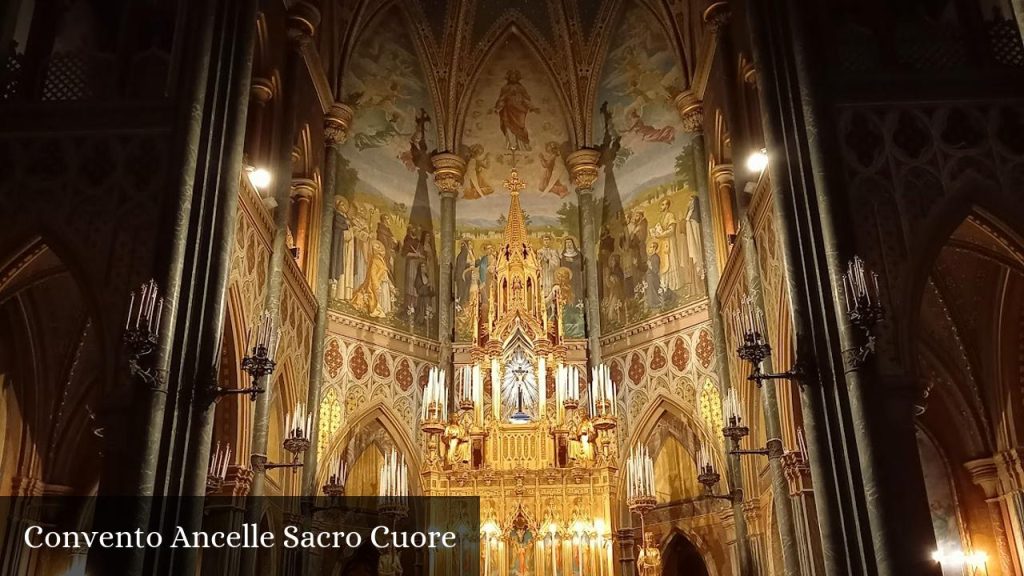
(512, 107)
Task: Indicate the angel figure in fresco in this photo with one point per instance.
(555, 173)
(512, 106)
(375, 296)
(382, 135)
(477, 163)
(635, 125)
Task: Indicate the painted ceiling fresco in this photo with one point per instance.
(515, 108)
(384, 263)
(650, 253)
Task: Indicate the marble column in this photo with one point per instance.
(805, 520)
(691, 115)
(261, 92)
(874, 513)
(584, 170)
(303, 190)
(722, 202)
(336, 129)
(449, 170)
(303, 19)
(224, 510)
(772, 420)
(196, 248)
(627, 545)
(985, 474)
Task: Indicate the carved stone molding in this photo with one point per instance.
(303, 188)
(261, 90)
(657, 327)
(449, 170)
(303, 20)
(691, 112)
(337, 122)
(798, 473)
(717, 16)
(583, 168)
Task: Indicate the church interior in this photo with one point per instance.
(672, 287)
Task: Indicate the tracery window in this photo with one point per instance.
(711, 405)
(330, 419)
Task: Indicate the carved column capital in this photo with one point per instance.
(237, 483)
(1010, 464)
(985, 474)
(717, 16)
(449, 170)
(261, 90)
(691, 112)
(303, 188)
(722, 175)
(798, 473)
(336, 124)
(303, 20)
(583, 168)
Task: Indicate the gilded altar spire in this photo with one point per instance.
(516, 297)
(515, 226)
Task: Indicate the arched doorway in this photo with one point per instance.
(966, 337)
(681, 558)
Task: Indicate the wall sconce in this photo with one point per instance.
(258, 177)
(757, 161)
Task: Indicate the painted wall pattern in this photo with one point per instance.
(650, 249)
(359, 377)
(679, 366)
(384, 249)
(515, 118)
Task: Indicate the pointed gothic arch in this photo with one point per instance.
(381, 414)
(694, 434)
(512, 24)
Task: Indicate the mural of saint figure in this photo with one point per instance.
(512, 107)
(572, 259)
(550, 260)
(424, 304)
(693, 238)
(614, 292)
(407, 272)
(463, 272)
(375, 296)
(652, 294)
(342, 254)
(674, 255)
(634, 265)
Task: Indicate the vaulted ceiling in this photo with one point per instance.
(454, 40)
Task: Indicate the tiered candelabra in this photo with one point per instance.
(750, 328)
(393, 491)
(298, 431)
(142, 330)
(261, 356)
(218, 469)
(863, 303)
(640, 497)
(334, 487)
(434, 415)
